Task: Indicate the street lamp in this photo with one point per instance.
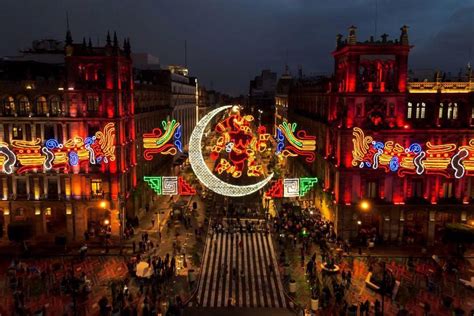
(103, 204)
(365, 205)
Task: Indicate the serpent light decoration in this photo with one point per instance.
(202, 172)
(169, 185)
(299, 144)
(166, 142)
(449, 160)
(237, 145)
(291, 187)
(33, 155)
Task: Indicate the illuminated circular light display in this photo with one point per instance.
(201, 170)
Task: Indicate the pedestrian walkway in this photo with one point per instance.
(240, 270)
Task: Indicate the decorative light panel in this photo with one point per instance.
(165, 142)
(298, 145)
(35, 156)
(449, 160)
(169, 185)
(292, 187)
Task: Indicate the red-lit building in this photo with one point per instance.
(77, 95)
(370, 90)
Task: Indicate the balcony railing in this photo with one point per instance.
(443, 87)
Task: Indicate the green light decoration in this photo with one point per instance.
(169, 131)
(290, 129)
(306, 184)
(154, 182)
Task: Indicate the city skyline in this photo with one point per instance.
(271, 34)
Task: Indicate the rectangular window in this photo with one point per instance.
(448, 189)
(92, 104)
(96, 187)
(417, 188)
(423, 108)
(21, 188)
(391, 110)
(17, 132)
(359, 110)
(372, 189)
(52, 188)
(409, 110)
(49, 132)
(440, 112)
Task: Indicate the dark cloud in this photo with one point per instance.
(230, 41)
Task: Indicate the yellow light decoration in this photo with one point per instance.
(445, 159)
(28, 153)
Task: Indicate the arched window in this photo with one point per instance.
(55, 105)
(7, 106)
(41, 106)
(24, 107)
(422, 108)
(441, 109)
(452, 111)
(409, 110)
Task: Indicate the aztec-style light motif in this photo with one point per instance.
(299, 144)
(202, 172)
(169, 185)
(166, 142)
(292, 187)
(415, 159)
(32, 155)
(240, 144)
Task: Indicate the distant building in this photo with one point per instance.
(184, 100)
(262, 98)
(145, 61)
(281, 98)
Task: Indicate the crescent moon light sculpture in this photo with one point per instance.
(203, 173)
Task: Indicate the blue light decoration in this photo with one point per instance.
(394, 164)
(280, 141)
(73, 158)
(177, 139)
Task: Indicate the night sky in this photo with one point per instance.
(229, 41)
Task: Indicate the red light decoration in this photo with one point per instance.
(276, 191)
(239, 142)
(185, 188)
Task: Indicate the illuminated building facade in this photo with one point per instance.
(262, 92)
(404, 147)
(62, 108)
(281, 97)
(152, 94)
(184, 100)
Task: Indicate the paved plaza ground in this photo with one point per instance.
(414, 284)
(103, 268)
